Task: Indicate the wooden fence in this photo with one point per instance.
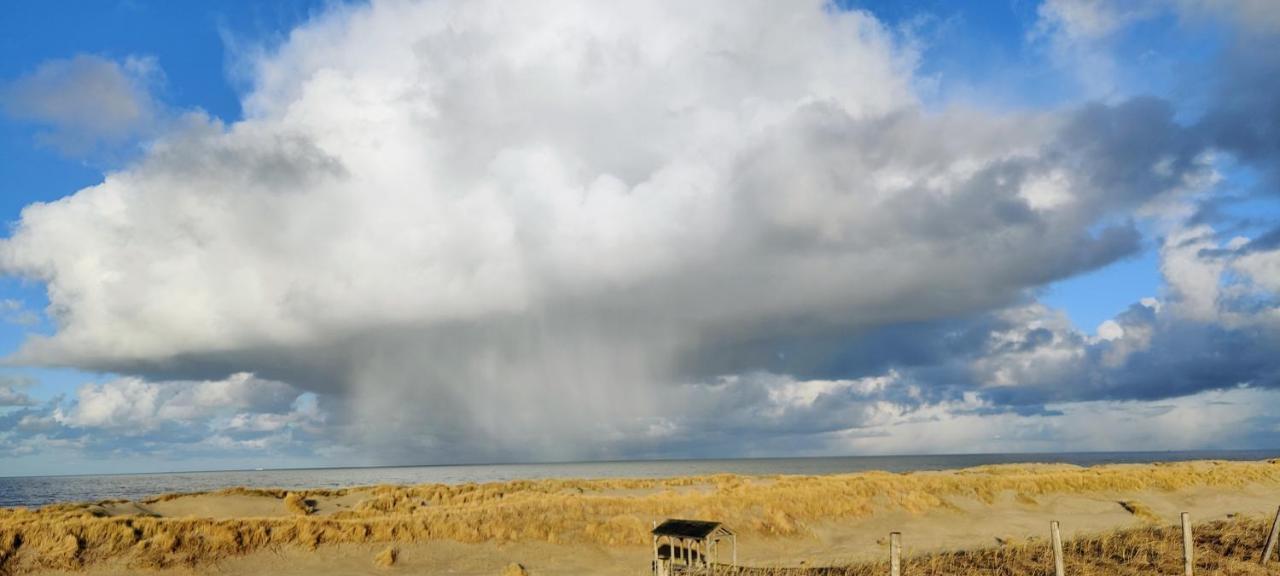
(897, 567)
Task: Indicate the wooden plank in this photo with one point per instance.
(1058, 568)
(895, 554)
(1270, 548)
(1188, 546)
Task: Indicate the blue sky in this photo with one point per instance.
(296, 354)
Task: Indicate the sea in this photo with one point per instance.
(40, 490)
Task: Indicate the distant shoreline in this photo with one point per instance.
(39, 490)
(1139, 456)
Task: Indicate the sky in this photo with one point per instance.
(324, 233)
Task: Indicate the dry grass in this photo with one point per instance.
(514, 569)
(605, 512)
(1230, 548)
(1140, 510)
(387, 558)
(299, 504)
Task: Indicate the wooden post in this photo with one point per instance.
(895, 554)
(655, 554)
(735, 549)
(1058, 568)
(661, 569)
(711, 556)
(1271, 539)
(1188, 545)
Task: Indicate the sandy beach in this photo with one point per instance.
(601, 526)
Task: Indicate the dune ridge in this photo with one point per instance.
(609, 512)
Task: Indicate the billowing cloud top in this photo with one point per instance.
(483, 229)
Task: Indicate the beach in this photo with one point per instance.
(601, 526)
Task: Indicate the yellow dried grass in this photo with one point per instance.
(299, 504)
(387, 558)
(1140, 510)
(515, 569)
(605, 512)
(1224, 548)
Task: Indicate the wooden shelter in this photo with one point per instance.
(689, 547)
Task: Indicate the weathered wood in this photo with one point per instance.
(895, 554)
(1188, 546)
(711, 560)
(655, 552)
(1058, 568)
(1270, 548)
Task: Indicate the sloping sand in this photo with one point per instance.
(226, 506)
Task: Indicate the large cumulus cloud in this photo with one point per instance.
(492, 229)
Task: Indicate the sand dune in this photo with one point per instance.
(600, 526)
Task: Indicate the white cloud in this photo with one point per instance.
(802, 394)
(11, 397)
(1220, 419)
(133, 405)
(1262, 267)
(1079, 33)
(1110, 330)
(1035, 344)
(1085, 19)
(1193, 280)
(86, 101)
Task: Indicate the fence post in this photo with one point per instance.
(1188, 546)
(1058, 568)
(1271, 538)
(895, 554)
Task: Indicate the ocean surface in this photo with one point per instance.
(38, 490)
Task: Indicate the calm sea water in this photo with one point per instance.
(37, 490)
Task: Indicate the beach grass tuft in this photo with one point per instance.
(515, 569)
(387, 558)
(1139, 510)
(299, 504)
